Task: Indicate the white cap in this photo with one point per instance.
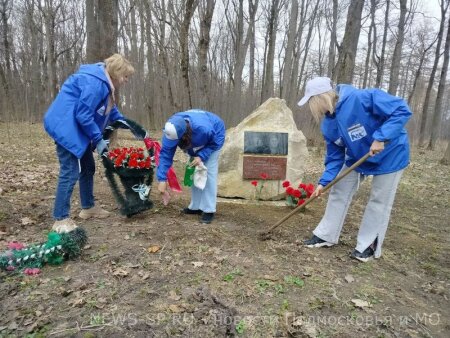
(170, 131)
(316, 86)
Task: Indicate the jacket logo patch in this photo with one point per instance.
(101, 110)
(356, 132)
(339, 142)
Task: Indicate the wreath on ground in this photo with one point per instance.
(58, 248)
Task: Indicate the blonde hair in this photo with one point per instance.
(322, 103)
(117, 66)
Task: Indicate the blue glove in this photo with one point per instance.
(102, 147)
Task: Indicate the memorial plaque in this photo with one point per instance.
(267, 143)
(274, 167)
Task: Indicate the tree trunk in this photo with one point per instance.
(268, 85)
(312, 19)
(446, 159)
(206, 14)
(438, 107)
(101, 28)
(6, 75)
(252, 8)
(369, 44)
(189, 10)
(417, 74)
(423, 120)
(333, 40)
(296, 79)
(381, 60)
(347, 53)
(396, 57)
(92, 41)
(240, 52)
(289, 53)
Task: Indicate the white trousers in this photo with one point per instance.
(206, 199)
(376, 215)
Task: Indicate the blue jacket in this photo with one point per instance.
(76, 118)
(208, 135)
(362, 116)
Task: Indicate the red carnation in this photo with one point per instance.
(300, 202)
(296, 193)
(302, 186)
(133, 163)
(289, 190)
(255, 183)
(118, 162)
(309, 189)
(286, 184)
(264, 176)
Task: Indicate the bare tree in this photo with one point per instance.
(252, 8)
(380, 60)
(425, 107)
(189, 9)
(6, 73)
(333, 40)
(102, 29)
(289, 53)
(206, 13)
(396, 57)
(446, 158)
(271, 36)
(347, 52)
(438, 107)
(423, 52)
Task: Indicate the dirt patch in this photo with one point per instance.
(220, 280)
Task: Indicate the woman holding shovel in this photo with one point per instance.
(201, 135)
(356, 122)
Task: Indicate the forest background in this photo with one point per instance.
(229, 56)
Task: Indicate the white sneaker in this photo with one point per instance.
(64, 225)
(95, 211)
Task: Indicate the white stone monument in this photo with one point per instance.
(272, 120)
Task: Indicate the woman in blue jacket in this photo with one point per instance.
(201, 134)
(76, 120)
(357, 121)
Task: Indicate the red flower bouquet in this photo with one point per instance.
(296, 196)
(130, 161)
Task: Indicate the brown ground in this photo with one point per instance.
(220, 280)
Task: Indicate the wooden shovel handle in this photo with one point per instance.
(309, 200)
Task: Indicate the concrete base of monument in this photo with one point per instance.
(251, 202)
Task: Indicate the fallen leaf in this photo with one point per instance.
(120, 272)
(173, 295)
(76, 302)
(153, 248)
(28, 321)
(349, 279)
(198, 264)
(175, 308)
(271, 278)
(26, 221)
(360, 303)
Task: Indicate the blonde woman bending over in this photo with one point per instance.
(354, 122)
